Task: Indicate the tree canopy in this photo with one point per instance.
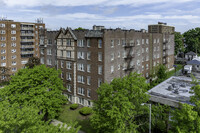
(33, 61)
(179, 45)
(118, 108)
(39, 86)
(192, 39)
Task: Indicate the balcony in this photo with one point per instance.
(66, 58)
(27, 28)
(27, 46)
(27, 52)
(165, 41)
(27, 34)
(129, 45)
(129, 68)
(27, 40)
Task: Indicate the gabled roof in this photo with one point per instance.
(62, 30)
(191, 53)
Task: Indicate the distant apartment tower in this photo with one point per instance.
(48, 49)
(18, 42)
(88, 58)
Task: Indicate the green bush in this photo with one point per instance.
(85, 111)
(73, 106)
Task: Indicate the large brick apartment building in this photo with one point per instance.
(18, 42)
(89, 57)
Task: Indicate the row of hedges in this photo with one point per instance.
(83, 111)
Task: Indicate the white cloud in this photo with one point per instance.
(32, 3)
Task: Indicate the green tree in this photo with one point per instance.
(17, 119)
(179, 46)
(160, 118)
(79, 28)
(39, 86)
(118, 108)
(192, 39)
(184, 120)
(33, 61)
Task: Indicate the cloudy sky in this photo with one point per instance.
(129, 14)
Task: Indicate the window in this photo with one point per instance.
(118, 41)
(99, 43)
(147, 75)
(69, 87)
(99, 82)
(158, 56)
(158, 48)
(81, 79)
(99, 56)
(147, 41)
(118, 66)
(13, 50)
(142, 50)
(147, 50)
(3, 38)
(118, 54)
(14, 63)
(154, 40)
(138, 42)
(88, 93)
(158, 40)
(100, 70)
(88, 42)
(2, 32)
(2, 25)
(42, 51)
(3, 77)
(42, 60)
(13, 44)
(147, 66)
(62, 64)
(154, 63)
(80, 55)
(88, 68)
(142, 41)
(68, 42)
(80, 67)
(49, 61)
(142, 67)
(123, 42)
(14, 56)
(3, 51)
(68, 54)
(80, 43)
(13, 38)
(62, 75)
(142, 58)
(138, 62)
(81, 100)
(112, 56)
(69, 65)
(112, 43)
(13, 25)
(49, 52)
(88, 80)
(3, 57)
(49, 42)
(3, 64)
(3, 45)
(124, 54)
(154, 49)
(14, 69)
(88, 55)
(68, 76)
(13, 31)
(111, 69)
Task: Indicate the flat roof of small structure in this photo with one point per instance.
(172, 91)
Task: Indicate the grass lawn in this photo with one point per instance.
(172, 73)
(68, 115)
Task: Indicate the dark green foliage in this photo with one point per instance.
(192, 39)
(25, 119)
(179, 46)
(39, 86)
(73, 106)
(33, 61)
(85, 111)
(118, 108)
(79, 28)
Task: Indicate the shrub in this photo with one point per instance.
(85, 111)
(73, 106)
